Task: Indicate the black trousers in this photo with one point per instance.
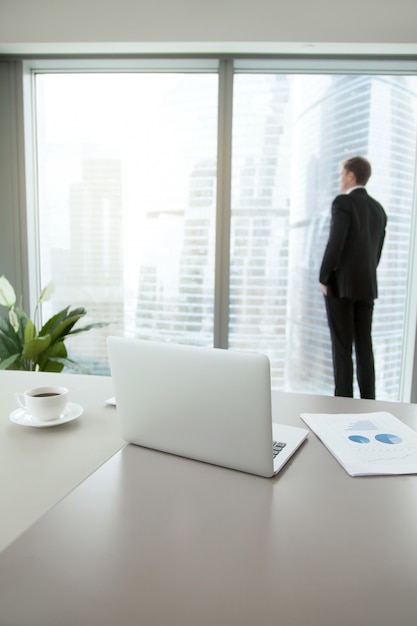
(350, 323)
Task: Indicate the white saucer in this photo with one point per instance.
(23, 418)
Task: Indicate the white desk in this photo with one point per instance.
(154, 539)
(39, 466)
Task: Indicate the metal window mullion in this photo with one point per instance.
(408, 376)
(31, 182)
(223, 210)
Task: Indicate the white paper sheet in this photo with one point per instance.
(367, 444)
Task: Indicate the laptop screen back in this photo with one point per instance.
(208, 404)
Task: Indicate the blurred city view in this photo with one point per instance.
(127, 184)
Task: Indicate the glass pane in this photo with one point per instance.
(127, 189)
(290, 134)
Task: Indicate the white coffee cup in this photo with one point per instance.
(43, 403)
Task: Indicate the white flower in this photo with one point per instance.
(47, 292)
(7, 294)
(13, 320)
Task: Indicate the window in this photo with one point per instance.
(127, 190)
(290, 134)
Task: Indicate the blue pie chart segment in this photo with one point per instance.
(359, 439)
(390, 439)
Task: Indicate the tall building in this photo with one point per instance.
(175, 299)
(259, 217)
(175, 296)
(92, 263)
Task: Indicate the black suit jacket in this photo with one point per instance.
(352, 254)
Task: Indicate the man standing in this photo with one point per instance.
(348, 277)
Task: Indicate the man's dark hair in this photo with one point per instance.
(360, 167)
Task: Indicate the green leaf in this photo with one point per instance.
(60, 324)
(29, 332)
(4, 324)
(50, 360)
(88, 327)
(56, 319)
(64, 329)
(9, 341)
(23, 320)
(33, 348)
(5, 363)
(52, 365)
(71, 365)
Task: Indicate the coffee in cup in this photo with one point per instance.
(43, 403)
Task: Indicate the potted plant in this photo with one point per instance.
(25, 346)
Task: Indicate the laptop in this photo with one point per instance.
(207, 404)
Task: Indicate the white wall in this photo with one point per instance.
(211, 25)
(13, 248)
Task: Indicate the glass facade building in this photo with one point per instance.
(128, 208)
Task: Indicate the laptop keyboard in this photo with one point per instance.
(277, 447)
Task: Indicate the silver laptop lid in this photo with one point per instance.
(207, 404)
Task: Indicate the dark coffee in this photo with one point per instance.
(46, 395)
